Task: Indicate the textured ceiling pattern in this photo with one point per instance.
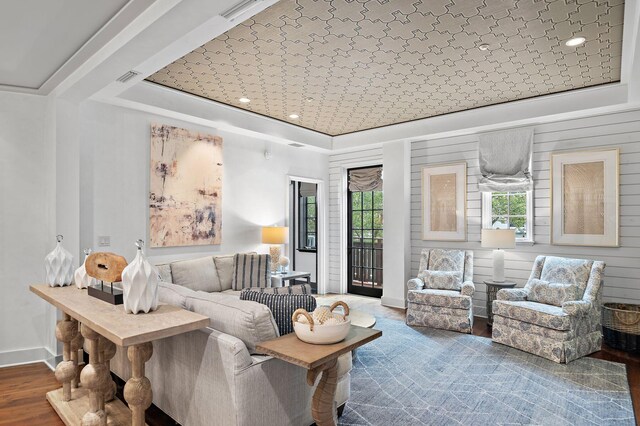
(344, 66)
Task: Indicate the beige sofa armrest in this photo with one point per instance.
(468, 287)
(415, 284)
(512, 294)
(577, 307)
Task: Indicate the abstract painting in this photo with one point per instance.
(185, 188)
(444, 195)
(584, 199)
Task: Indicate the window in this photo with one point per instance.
(308, 220)
(509, 210)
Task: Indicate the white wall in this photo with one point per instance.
(27, 224)
(612, 130)
(115, 158)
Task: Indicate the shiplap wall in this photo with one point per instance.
(338, 163)
(622, 130)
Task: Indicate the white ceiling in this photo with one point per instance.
(39, 36)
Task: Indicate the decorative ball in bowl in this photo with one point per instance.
(322, 326)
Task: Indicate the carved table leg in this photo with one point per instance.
(94, 377)
(76, 344)
(323, 405)
(66, 331)
(108, 351)
(137, 390)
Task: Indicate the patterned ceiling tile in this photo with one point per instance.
(350, 65)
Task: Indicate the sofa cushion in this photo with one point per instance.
(173, 294)
(249, 321)
(251, 270)
(534, 313)
(224, 265)
(446, 260)
(567, 271)
(442, 298)
(551, 293)
(441, 280)
(165, 272)
(290, 289)
(196, 274)
(282, 306)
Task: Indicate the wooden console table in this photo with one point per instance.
(319, 359)
(104, 326)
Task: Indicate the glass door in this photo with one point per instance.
(365, 242)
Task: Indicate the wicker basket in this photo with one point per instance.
(621, 326)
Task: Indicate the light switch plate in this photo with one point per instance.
(104, 241)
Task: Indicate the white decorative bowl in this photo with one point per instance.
(322, 334)
(315, 332)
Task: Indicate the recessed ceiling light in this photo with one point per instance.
(245, 100)
(576, 41)
(483, 47)
(294, 116)
(309, 99)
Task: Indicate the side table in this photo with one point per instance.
(319, 360)
(278, 279)
(492, 289)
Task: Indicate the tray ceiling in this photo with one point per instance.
(345, 66)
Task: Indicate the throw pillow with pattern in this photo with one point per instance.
(551, 293)
(441, 280)
(251, 270)
(282, 306)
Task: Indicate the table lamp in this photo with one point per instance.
(276, 236)
(498, 239)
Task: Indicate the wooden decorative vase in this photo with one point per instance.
(80, 276)
(58, 266)
(140, 284)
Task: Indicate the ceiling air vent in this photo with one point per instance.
(127, 76)
(296, 145)
(234, 11)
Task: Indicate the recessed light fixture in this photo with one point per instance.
(483, 47)
(294, 116)
(575, 41)
(309, 99)
(245, 100)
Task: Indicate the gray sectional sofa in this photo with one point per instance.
(215, 376)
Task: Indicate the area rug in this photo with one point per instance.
(413, 376)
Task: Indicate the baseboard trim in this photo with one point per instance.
(393, 302)
(28, 356)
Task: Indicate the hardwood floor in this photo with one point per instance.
(23, 388)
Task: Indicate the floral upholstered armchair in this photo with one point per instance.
(441, 295)
(557, 314)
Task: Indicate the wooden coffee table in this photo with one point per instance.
(103, 327)
(319, 359)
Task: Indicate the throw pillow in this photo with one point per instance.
(197, 274)
(446, 260)
(291, 289)
(441, 280)
(282, 306)
(551, 293)
(251, 270)
(567, 271)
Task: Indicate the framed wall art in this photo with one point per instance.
(444, 202)
(585, 198)
(185, 189)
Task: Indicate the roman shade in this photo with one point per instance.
(505, 160)
(362, 180)
(307, 189)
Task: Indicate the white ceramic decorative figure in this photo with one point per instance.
(140, 284)
(80, 276)
(58, 266)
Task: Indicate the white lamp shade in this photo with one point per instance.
(499, 238)
(274, 234)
